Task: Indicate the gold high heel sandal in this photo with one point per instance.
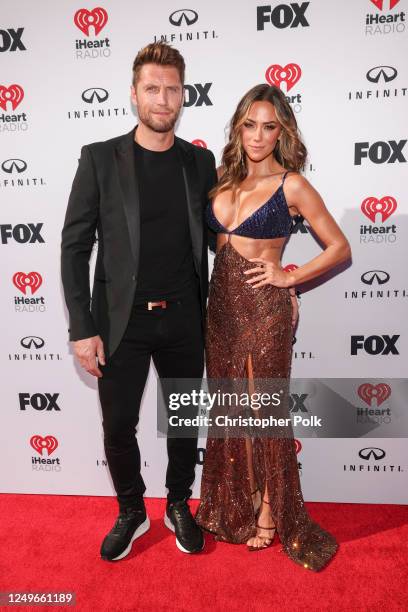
(266, 545)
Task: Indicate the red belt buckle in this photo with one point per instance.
(151, 305)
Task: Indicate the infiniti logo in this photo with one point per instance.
(371, 452)
(90, 94)
(379, 276)
(14, 165)
(32, 342)
(387, 73)
(187, 15)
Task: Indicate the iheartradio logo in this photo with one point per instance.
(40, 444)
(289, 74)
(380, 4)
(386, 206)
(199, 143)
(290, 268)
(97, 18)
(22, 281)
(368, 392)
(13, 94)
(298, 446)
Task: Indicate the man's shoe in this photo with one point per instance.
(178, 518)
(130, 525)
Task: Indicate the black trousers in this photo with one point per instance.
(173, 337)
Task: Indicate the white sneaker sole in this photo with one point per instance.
(145, 526)
(170, 526)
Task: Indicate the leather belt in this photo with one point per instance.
(161, 303)
(151, 305)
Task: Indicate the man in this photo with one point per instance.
(145, 194)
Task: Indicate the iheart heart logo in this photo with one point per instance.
(97, 18)
(22, 280)
(199, 143)
(386, 206)
(380, 3)
(48, 443)
(298, 446)
(368, 392)
(289, 74)
(13, 94)
(290, 268)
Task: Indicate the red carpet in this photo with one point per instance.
(51, 543)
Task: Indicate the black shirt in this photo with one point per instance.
(166, 268)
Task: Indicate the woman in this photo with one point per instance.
(250, 485)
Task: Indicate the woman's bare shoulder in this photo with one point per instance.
(295, 181)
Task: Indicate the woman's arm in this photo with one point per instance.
(301, 194)
(307, 201)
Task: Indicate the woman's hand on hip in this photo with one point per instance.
(267, 273)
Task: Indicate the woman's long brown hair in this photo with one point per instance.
(290, 151)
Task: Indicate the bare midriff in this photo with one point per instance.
(269, 249)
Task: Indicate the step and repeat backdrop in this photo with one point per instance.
(65, 81)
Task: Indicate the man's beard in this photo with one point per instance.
(158, 125)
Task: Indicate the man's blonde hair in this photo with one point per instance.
(161, 54)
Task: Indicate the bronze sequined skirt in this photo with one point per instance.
(247, 325)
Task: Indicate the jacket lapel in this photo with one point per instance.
(125, 159)
(194, 205)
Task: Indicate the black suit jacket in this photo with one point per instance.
(105, 199)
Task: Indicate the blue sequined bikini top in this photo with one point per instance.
(271, 220)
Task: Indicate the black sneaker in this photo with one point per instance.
(178, 518)
(130, 525)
